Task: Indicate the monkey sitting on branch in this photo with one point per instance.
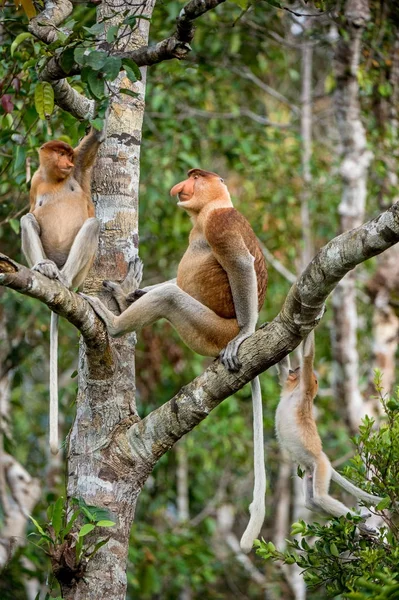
(60, 233)
(214, 302)
(297, 434)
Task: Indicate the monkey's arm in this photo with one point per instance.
(238, 263)
(308, 353)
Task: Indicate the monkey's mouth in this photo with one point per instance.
(181, 197)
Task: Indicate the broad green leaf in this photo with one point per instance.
(105, 523)
(67, 59)
(112, 33)
(129, 64)
(96, 85)
(96, 59)
(95, 29)
(334, 549)
(38, 527)
(18, 40)
(130, 21)
(111, 67)
(384, 503)
(80, 56)
(14, 223)
(44, 99)
(97, 124)
(86, 529)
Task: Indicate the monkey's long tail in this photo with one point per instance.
(354, 490)
(257, 507)
(53, 413)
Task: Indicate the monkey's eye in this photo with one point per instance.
(195, 177)
(222, 180)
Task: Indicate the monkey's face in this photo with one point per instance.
(199, 189)
(57, 159)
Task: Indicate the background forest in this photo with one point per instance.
(257, 101)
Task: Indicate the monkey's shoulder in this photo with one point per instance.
(224, 224)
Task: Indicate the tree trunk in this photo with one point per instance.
(354, 165)
(106, 401)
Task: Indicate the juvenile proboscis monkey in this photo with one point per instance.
(297, 434)
(60, 233)
(214, 302)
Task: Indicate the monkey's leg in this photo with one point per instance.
(82, 253)
(33, 249)
(317, 496)
(199, 327)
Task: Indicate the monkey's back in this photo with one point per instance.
(296, 430)
(201, 275)
(60, 215)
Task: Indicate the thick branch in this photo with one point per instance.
(65, 303)
(302, 310)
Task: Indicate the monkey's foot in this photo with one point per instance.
(134, 275)
(49, 269)
(133, 296)
(366, 530)
(102, 311)
(229, 355)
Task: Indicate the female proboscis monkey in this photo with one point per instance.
(214, 303)
(297, 434)
(60, 232)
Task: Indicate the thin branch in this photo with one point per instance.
(242, 112)
(276, 264)
(246, 73)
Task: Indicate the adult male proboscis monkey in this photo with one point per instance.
(297, 434)
(214, 302)
(60, 232)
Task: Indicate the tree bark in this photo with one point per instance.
(355, 161)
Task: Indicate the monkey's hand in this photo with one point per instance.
(49, 269)
(102, 311)
(228, 355)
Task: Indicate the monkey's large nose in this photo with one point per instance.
(176, 189)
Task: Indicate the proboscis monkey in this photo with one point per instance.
(214, 302)
(297, 434)
(60, 232)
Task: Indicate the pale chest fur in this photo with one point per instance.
(297, 435)
(60, 215)
(200, 275)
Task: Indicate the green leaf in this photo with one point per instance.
(128, 92)
(97, 124)
(111, 67)
(74, 374)
(130, 21)
(105, 523)
(67, 59)
(68, 527)
(96, 59)
(130, 65)
(96, 84)
(79, 55)
(38, 527)
(44, 99)
(384, 503)
(334, 549)
(95, 29)
(18, 40)
(86, 529)
(112, 33)
(58, 514)
(14, 224)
